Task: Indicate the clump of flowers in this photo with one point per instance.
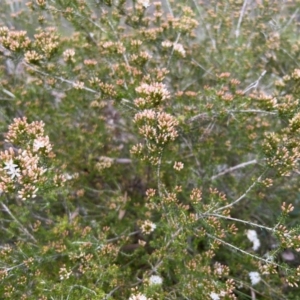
(69, 55)
(157, 128)
(151, 94)
(24, 164)
(104, 163)
(14, 40)
(188, 89)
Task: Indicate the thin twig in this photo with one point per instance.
(295, 14)
(158, 175)
(241, 197)
(206, 116)
(59, 78)
(169, 7)
(201, 67)
(242, 165)
(237, 220)
(77, 15)
(82, 287)
(244, 252)
(237, 31)
(255, 111)
(205, 23)
(254, 84)
(25, 231)
(111, 292)
(170, 57)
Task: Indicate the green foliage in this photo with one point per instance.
(149, 149)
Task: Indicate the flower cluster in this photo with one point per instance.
(159, 127)
(24, 168)
(14, 40)
(177, 47)
(47, 41)
(104, 163)
(151, 95)
(69, 55)
(132, 75)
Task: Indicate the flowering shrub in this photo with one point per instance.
(174, 129)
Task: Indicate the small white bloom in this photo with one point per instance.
(139, 296)
(256, 244)
(155, 279)
(12, 169)
(252, 237)
(214, 296)
(38, 143)
(144, 3)
(148, 227)
(254, 277)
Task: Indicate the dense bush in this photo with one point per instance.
(149, 149)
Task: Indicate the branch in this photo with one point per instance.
(237, 31)
(59, 78)
(242, 165)
(238, 220)
(25, 231)
(241, 197)
(254, 84)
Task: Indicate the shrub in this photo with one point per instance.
(148, 149)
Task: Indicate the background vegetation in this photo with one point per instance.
(149, 149)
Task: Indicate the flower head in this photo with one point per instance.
(252, 237)
(148, 227)
(254, 277)
(214, 296)
(138, 296)
(155, 279)
(12, 169)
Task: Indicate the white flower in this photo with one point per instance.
(144, 3)
(166, 44)
(148, 227)
(252, 237)
(179, 49)
(12, 169)
(214, 296)
(256, 244)
(39, 143)
(139, 296)
(155, 279)
(254, 277)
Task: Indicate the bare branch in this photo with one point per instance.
(242, 165)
